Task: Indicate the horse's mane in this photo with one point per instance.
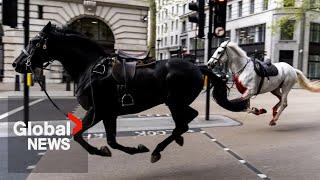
(79, 37)
(237, 49)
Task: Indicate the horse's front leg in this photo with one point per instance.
(247, 95)
(110, 125)
(88, 121)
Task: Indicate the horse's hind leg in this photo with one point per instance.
(287, 86)
(182, 117)
(88, 121)
(278, 94)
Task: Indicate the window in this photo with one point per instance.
(165, 41)
(183, 43)
(184, 26)
(177, 39)
(251, 6)
(315, 33)
(229, 11)
(171, 40)
(184, 8)
(288, 3)
(177, 24)
(314, 67)
(177, 9)
(265, 4)
(40, 12)
(286, 56)
(165, 28)
(287, 30)
(240, 9)
(172, 25)
(252, 34)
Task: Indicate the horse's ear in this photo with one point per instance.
(47, 28)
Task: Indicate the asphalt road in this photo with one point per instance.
(254, 150)
(21, 160)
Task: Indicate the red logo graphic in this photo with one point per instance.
(77, 121)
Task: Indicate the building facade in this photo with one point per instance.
(112, 23)
(255, 26)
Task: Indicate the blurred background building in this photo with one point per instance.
(254, 25)
(114, 24)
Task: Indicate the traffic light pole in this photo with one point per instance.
(209, 49)
(26, 41)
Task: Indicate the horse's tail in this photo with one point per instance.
(305, 83)
(220, 92)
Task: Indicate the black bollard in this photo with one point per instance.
(17, 83)
(68, 85)
(43, 82)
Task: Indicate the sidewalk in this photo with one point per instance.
(54, 89)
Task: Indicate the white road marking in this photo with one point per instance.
(4, 115)
(262, 176)
(31, 167)
(226, 149)
(242, 161)
(202, 132)
(214, 140)
(41, 153)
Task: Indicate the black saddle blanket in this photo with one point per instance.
(265, 68)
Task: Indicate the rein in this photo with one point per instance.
(28, 66)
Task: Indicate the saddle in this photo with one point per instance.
(264, 69)
(123, 71)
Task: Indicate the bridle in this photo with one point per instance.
(217, 59)
(29, 55)
(28, 66)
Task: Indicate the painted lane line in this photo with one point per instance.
(41, 153)
(31, 167)
(233, 154)
(262, 176)
(4, 115)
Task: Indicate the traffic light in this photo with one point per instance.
(198, 17)
(220, 14)
(10, 13)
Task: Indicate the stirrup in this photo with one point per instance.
(127, 100)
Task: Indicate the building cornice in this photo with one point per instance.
(132, 4)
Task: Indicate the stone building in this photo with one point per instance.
(253, 25)
(115, 24)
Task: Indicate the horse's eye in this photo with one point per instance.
(219, 52)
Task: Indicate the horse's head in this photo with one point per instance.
(35, 55)
(220, 56)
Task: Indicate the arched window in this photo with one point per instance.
(96, 30)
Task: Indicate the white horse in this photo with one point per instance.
(247, 81)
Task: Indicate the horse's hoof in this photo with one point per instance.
(262, 111)
(179, 140)
(104, 151)
(142, 148)
(272, 123)
(155, 157)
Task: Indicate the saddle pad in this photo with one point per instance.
(265, 69)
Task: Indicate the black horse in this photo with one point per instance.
(174, 82)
